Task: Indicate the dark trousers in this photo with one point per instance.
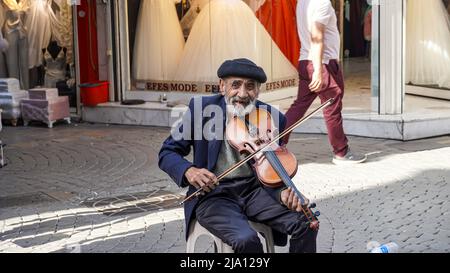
(226, 210)
(333, 87)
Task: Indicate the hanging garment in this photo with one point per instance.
(62, 31)
(2, 15)
(427, 43)
(255, 4)
(4, 45)
(228, 29)
(42, 24)
(368, 24)
(16, 56)
(159, 41)
(280, 20)
(196, 6)
(17, 5)
(39, 30)
(354, 28)
(54, 68)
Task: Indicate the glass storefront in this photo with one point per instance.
(428, 48)
(176, 47)
(36, 42)
(179, 46)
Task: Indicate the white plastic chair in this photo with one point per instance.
(196, 230)
(2, 155)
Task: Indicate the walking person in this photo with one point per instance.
(320, 74)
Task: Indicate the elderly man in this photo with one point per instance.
(225, 208)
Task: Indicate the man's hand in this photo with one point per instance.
(291, 201)
(201, 178)
(317, 81)
(317, 49)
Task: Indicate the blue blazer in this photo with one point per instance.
(172, 153)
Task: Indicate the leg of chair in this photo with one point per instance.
(270, 247)
(2, 158)
(192, 237)
(268, 236)
(190, 244)
(196, 230)
(221, 246)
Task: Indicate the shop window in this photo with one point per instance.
(428, 45)
(36, 42)
(179, 45)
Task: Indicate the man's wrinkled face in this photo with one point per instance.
(240, 94)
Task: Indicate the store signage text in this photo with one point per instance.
(281, 84)
(176, 87)
(193, 87)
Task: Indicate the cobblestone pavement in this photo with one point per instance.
(97, 188)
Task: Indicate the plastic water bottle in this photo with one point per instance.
(386, 248)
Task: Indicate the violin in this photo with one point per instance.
(274, 165)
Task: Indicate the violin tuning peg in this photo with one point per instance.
(317, 214)
(312, 205)
(314, 225)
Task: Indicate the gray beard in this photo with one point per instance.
(239, 110)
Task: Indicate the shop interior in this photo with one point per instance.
(355, 24)
(428, 48)
(36, 45)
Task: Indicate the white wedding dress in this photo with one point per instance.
(427, 43)
(159, 41)
(229, 29)
(39, 29)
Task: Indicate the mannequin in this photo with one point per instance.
(61, 25)
(16, 35)
(55, 64)
(159, 41)
(427, 43)
(229, 29)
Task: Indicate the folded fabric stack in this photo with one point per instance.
(9, 85)
(10, 98)
(46, 106)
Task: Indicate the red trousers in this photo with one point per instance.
(332, 87)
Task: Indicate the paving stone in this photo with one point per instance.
(401, 195)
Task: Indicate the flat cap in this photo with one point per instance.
(242, 68)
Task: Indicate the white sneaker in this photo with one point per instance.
(349, 158)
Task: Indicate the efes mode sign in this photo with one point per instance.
(192, 87)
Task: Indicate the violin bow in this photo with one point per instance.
(250, 156)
